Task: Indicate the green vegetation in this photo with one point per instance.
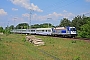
(44, 25)
(85, 32)
(25, 25)
(82, 24)
(15, 47)
(1, 29)
(22, 26)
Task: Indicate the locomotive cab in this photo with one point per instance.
(72, 31)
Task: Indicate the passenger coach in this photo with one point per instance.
(24, 31)
(44, 31)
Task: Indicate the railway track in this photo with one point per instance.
(82, 38)
(76, 38)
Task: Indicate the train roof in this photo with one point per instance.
(63, 27)
(60, 28)
(43, 28)
(72, 27)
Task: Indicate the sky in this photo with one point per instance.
(13, 12)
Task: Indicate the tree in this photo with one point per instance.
(7, 30)
(44, 25)
(78, 21)
(11, 27)
(65, 22)
(22, 26)
(1, 29)
(85, 29)
(35, 26)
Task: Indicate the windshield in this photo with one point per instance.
(73, 29)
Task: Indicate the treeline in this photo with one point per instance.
(24, 26)
(82, 24)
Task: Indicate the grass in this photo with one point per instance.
(14, 47)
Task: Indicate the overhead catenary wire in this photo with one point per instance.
(52, 5)
(59, 7)
(81, 14)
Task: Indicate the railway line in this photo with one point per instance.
(87, 39)
(75, 38)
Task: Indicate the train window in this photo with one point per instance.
(49, 30)
(73, 29)
(38, 30)
(46, 30)
(29, 30)
(32, 30)
(42, 30)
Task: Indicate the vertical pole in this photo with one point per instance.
(48, 22)
(30, 22)
(8, 26)
(30, 19)
(14, 24)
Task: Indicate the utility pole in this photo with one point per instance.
(30, 23)
(14, 23)
(48, 22)
(8, 25)
(30, 19)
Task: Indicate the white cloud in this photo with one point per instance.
(14, 9)
(25, 4)
(26, 15)
(17, 19)
(2, 12)
(68, 15)
(88, 0)
(54, 16)
(43, 18)
(64, 11)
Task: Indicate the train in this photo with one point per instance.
(56, 31)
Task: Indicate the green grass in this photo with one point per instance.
(14, 47)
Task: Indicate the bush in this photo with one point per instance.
(24, 40)
(73, 41)
(76, 58)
